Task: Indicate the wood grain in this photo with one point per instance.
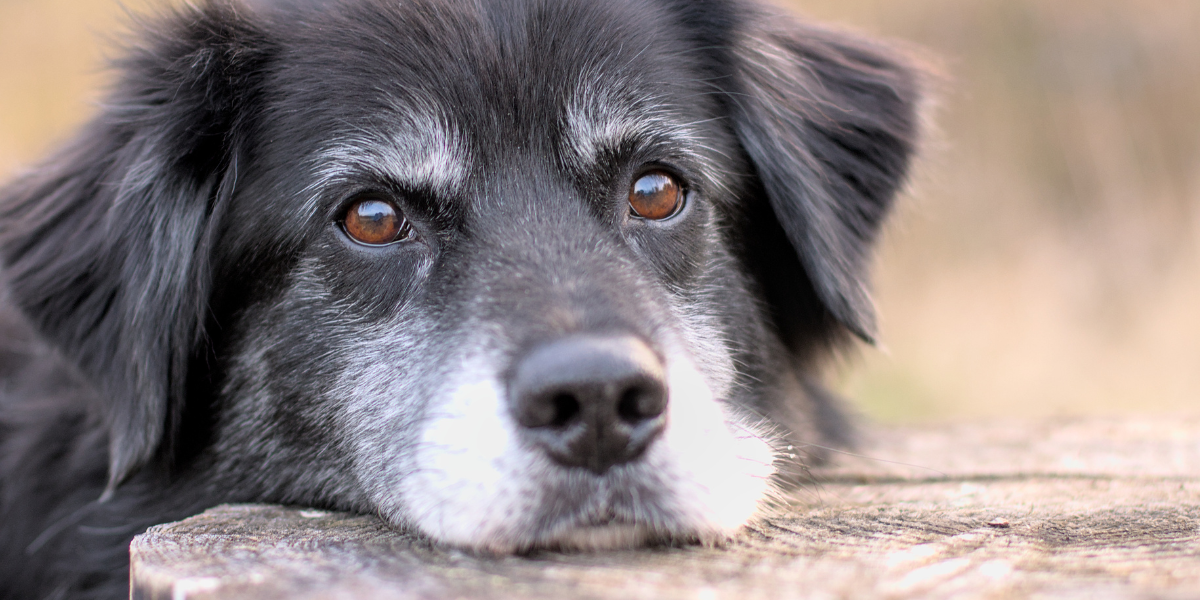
(1063, 509)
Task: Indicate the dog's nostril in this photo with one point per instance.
(590, 401)
(640, 403)
(566, 408)
(628, 408)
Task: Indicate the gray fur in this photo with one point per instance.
(194, 325)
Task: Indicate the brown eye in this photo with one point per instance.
(375, 222)
(655, 196)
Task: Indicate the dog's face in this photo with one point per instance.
(516, 273)
(474, 318)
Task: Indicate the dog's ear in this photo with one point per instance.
(829, 122)
(105, 247)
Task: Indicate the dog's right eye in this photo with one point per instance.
(655, 196)
(375, 222)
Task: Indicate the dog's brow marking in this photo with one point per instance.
(599, 117)
(604, 115)
(423, 148)
(595, 128)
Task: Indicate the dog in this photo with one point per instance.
(513, 275)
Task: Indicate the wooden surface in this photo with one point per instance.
(1068, 509)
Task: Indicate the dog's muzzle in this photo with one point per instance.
(590, 401)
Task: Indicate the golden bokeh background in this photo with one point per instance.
(1046, 260)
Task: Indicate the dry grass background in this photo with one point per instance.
(1047, 258)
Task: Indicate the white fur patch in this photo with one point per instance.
(470, 482)
(719, 469)
(474, 484)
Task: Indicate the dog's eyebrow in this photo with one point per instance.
(601, 119)
(596, 128)
(420, 149)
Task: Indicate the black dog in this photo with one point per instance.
(512, 274)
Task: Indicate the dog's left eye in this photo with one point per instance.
(375, 222)
(655, 195)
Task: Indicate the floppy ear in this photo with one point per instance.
(105, 247)
(829, 122)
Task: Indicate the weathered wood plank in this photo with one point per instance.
(1082, 508)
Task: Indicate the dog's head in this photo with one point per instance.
(517, 273)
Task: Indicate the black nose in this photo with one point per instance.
(590, 401)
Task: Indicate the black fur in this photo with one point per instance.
(164, 240)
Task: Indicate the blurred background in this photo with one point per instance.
(1046, 258)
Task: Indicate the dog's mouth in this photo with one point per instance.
(602, 519)
(590, 538)
(596, 529)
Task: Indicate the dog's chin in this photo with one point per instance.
(589, 538)
(598, 537)
(620, 536)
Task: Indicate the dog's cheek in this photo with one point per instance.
(676, 249)
(319, 377)
(472, 478)
(473, 482)
(390, 368)
(721, 454)
(718, 462)
(373, 281)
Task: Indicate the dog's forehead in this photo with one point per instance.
(421, 91)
